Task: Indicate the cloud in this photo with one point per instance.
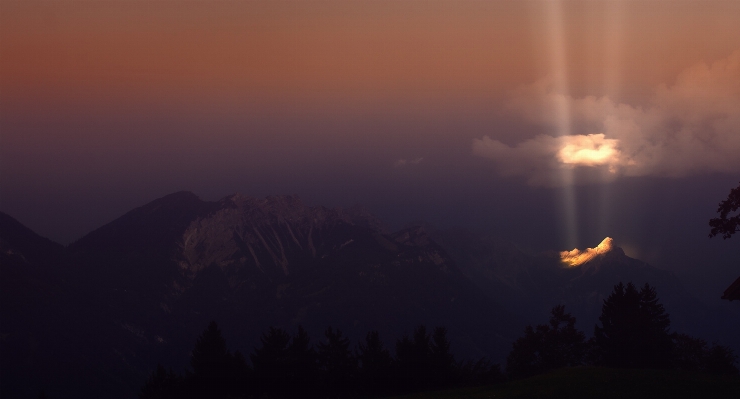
(691, 127)
(588, 150)
(404, 162)
(543, 158)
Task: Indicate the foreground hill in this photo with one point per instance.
(590, 382)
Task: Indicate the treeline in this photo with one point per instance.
(286, 366)
(634, 333)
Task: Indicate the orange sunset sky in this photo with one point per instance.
(585, 118)
(379, 52)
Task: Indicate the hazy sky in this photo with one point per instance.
(551, 123)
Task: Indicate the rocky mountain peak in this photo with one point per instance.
(576, 257)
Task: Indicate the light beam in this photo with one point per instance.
(558, 70)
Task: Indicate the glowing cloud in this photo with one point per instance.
(689, 128)
(591, 150)
(577, 257)
(541, 157)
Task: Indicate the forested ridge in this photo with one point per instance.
(634, 333)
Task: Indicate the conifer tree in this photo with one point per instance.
(634, 330)
(216, 372)
(442, 362)
(210, 351)
(337, 363)
(412, 361)
(271, 364)
(302, 367)
(375, 365)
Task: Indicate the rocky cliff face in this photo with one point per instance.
(271, 236)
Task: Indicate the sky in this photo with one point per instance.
(549, 123)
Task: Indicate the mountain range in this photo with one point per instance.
(92, 319)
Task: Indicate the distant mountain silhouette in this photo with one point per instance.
(42, 320)
(21, 244)
(153, 228)
(151, 279)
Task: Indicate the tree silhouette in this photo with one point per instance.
(412, 361)
(302, 367)
(689, 352)
(720, 360)
(693, 354)
(634, 331)
(442, 362)
(546, 347)
(285, 367)
(271, 364)
(209, 352)
(725, 224)
(477, 373)
(375, 365)
(216, 372)
(162, 384)
(337, 364)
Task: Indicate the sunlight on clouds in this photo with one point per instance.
(689, 128)
(589, 150)
(539, 159)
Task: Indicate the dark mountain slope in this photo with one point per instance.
(42, 320)
(19, 242)
(138, 290)
(153, 227)
(251, 263)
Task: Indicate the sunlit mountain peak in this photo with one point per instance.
(577, 257)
